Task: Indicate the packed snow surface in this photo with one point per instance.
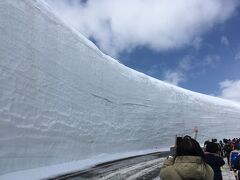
(63, 100)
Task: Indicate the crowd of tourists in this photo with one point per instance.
(191, 161)
(227, 146)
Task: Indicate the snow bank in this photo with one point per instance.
(63, 100)
(70, 167)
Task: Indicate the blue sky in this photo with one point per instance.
(214, 61)
(192, 44)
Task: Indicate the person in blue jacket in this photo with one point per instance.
(214, 160)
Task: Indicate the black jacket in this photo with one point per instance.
(215, 162)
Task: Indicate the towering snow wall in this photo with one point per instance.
(61, 99)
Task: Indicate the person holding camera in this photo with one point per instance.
(188, 162)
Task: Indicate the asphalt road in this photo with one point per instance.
(145, 167)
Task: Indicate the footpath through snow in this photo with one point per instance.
(144, 167)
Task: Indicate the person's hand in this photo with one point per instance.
(195, 129)
(235, 172)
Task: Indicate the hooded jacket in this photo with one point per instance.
(215, 162)
(186, 168)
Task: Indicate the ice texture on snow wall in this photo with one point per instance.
(61, 99)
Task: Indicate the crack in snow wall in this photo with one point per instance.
(61, 99)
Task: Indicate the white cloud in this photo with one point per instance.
(190, 67)
(178, 75)
(230, 90)
(174, 77)
(210, 61)
(154, 69)
(197, 43)
(225, 41)
(119, 25)
(237, 56)
(186, 63)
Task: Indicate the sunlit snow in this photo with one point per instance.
(62, 100)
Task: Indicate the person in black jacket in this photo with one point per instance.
(214, 160)
(227, 149)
